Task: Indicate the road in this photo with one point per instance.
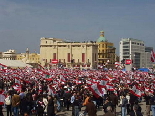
(99, 111)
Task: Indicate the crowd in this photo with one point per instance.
(45, 92)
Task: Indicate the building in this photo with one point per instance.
(148, 63)
(106, 51)
(68, 54)
(29, 58)
(1, 56)
(133, 49)
(9, 55)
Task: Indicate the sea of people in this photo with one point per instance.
(45, 92)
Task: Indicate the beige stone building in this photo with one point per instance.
(9, 55)
(106, 52)
(68, 54)
(29, 58)
(1, 56)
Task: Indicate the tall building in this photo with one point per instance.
(106, 51)
(68, 54)
(134, 50)
(148, 63)
(9, 55)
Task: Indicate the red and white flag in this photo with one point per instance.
(103, 83)
(96, 90)
(136, 91)
(62, 79)
(152, 56)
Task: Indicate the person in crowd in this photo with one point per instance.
(67, 97)
(139, 107)
(45, 102)
(15, 103)
(109, 112)
(86, 100)
(26, 114)
(114, 99)
(91, 108)
(153, 104)
(128, 104)
(40, 106)
(55, 100)
(147, 98)
(22, 96)
(50, 106)
(124, 105)
(135, 111)
(72, 101)
(76, 106)
(1, 103)
(8, 104)
(106, 104)
(133, 99)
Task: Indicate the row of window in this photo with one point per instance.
(135, 43)
(102, 45)
(69, 58)
(29, 59)
(141, 44)
(54, 46)
(106, 51)
(107, 56)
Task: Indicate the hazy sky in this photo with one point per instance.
(24, 22)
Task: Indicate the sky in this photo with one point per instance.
(24, 22)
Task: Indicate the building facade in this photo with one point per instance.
(148, 63)
(106, 51)
(134, 50)
(68, 54)
(9, 55)
(1, 56)
(29, 58)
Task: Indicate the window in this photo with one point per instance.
(83, 57)
(54, 55)
(95, 57)
(68, 57)
(125, 46)
(125, 43)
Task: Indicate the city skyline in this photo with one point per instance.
(23, 23)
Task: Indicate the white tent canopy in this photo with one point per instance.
(14, 63)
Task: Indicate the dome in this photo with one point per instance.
(101, 38)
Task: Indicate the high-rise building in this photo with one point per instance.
(106, 51)
(134, 50)
(68, 54)
(148, 63)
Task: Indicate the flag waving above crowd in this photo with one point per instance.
(95, 80)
